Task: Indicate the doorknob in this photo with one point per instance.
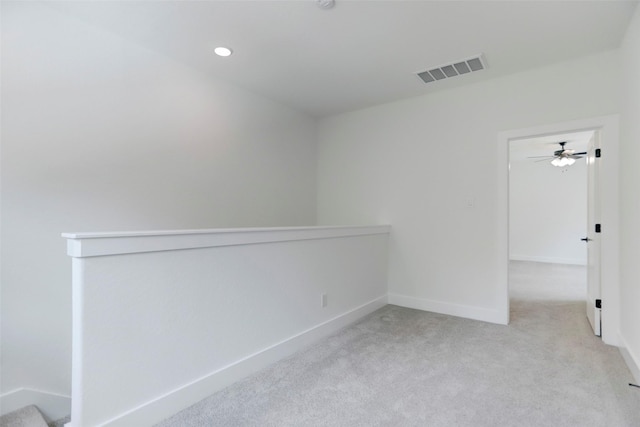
(586, 239)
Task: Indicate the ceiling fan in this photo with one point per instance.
(562, 157)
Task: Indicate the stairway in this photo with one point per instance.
(29, 416)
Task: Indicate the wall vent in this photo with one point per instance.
(458, 68)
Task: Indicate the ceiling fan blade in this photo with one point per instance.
(562, 153)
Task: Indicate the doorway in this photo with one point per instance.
(607, 128)
(548, 208)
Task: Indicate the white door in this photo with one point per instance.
(593, 237)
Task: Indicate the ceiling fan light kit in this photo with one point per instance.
(562, 161)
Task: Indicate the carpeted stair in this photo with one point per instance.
(29, 416)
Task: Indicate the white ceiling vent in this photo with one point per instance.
(465, 66)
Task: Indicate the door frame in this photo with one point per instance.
(593, 247)
(608, 126)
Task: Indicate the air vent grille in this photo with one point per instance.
(465, 66)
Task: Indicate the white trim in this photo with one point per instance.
(548, 260)
(77, 332)
(632, 360)
(466, 311)
(610, 284)
(176, 400)
(80, 245)
(52, 405)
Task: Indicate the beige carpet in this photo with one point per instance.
(403, 367)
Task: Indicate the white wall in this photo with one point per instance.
(101, 134)
(547, 211)
(159, 328)
(416, 163)
(630, 197)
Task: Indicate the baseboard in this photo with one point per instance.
(170, 403)
(468, 312)
(631, 359)
(549, 260)
(53, 406)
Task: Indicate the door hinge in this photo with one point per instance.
(598, 152)
(598, 228)
(598, 303)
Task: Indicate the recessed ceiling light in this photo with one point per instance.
(325, 4)
(223, 51)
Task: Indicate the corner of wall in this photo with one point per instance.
(631, 359)
(629, 336)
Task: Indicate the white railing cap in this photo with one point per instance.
(90, 244)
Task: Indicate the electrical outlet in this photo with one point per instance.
(470, 202)
(323, 300)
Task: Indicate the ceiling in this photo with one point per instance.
(359, 53)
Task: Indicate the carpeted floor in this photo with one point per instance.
(403, 367)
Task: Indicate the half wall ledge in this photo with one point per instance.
(83, 245)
